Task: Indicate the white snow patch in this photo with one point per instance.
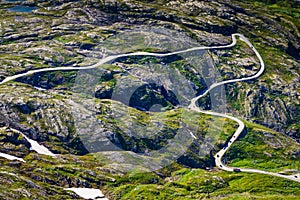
(8, 173)
(41, 149)
(88, 193)
(35, 146)
(40, 89)
(193, 135)
(10, 157)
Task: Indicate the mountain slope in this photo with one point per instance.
(79, 33)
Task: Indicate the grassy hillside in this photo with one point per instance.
(79, 33)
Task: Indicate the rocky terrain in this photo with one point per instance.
(79, 33)
(67, 34)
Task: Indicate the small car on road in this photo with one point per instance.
(236, 170)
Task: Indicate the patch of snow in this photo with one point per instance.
(10, 157)
(35, 146)
(8, 173)
(41, 149)
(193, 135)
(88, 193)
(39, 88)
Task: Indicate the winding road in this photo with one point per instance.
(113, 57)
(192, 106)
(220, 154)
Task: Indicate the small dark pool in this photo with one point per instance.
(12, 0)
(21, 8)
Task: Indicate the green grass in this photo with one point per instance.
(262, 148)
(198, 183)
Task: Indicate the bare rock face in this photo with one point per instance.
(13, 143)
(273, 101)
(268, 106)
(73, 31)
(40, 116)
